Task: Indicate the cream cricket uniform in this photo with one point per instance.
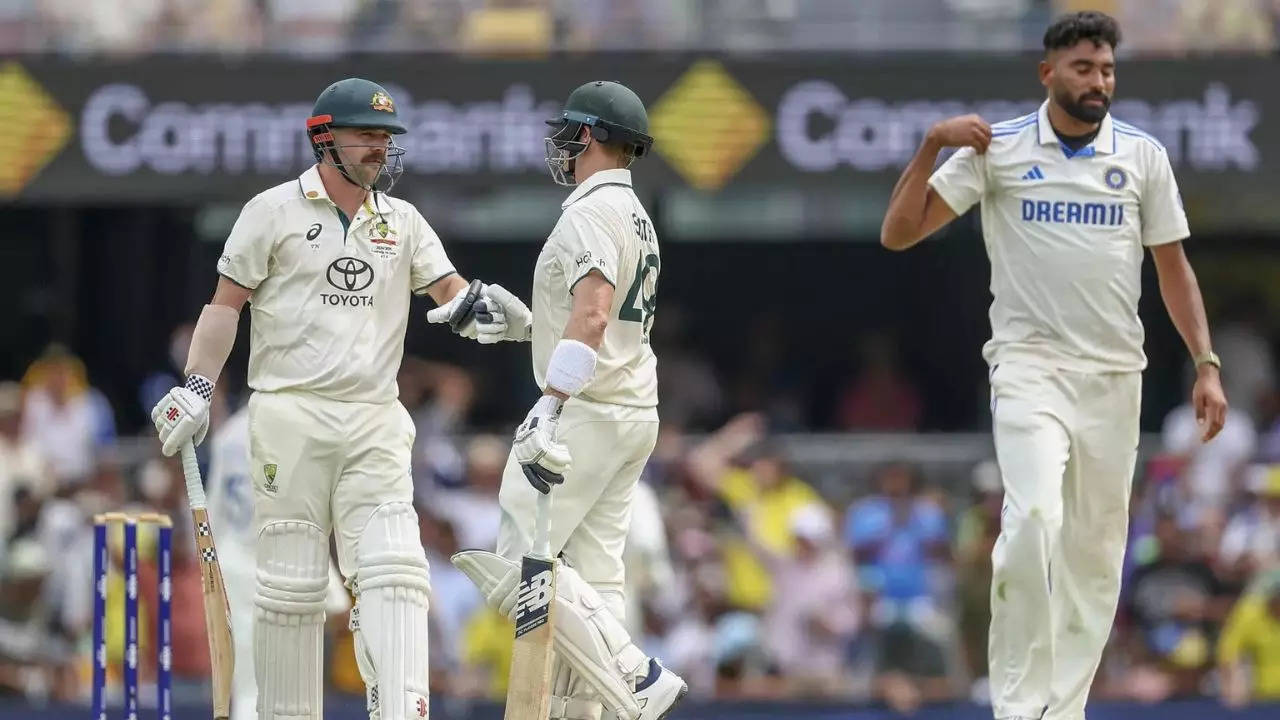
(1065, 233)
(329, 442)
(230, 492)
(611, 426)
(328, 438)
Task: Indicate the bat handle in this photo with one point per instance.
(542, 527)
(191, 469)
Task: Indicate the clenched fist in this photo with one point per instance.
(965, 130)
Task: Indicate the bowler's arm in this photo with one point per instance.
(1182, 299)
(916, 211)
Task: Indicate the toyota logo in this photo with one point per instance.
(350, 274)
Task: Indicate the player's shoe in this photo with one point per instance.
(659, 691)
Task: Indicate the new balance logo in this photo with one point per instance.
(1034, 173)
(534, 593)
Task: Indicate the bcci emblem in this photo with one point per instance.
(382, 103)
(269, 472)
(1115, 178)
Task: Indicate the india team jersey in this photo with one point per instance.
(330, 299)
(603, 228)
(1065, 232)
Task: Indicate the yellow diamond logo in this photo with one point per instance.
(36, 128)
(707, 126)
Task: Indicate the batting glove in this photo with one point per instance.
(182, 415)
(443, 314)
(502, 316)
(543, 459)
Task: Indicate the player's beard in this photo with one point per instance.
(1077, 107)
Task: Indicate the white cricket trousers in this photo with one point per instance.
(591, 511)
(1066, 444)
(328, 462)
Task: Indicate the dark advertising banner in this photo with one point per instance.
(798, 138)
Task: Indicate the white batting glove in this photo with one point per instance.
(543, 459)
(502, 316)
(444, 312)
(183, 414)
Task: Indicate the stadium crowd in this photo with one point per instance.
(327, 27)
(747, 576)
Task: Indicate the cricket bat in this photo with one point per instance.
(217, 613)
(529, 684)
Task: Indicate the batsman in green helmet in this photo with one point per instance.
(587, 439)
(330, 262)
(352, 128)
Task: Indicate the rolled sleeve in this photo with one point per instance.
(961, 180)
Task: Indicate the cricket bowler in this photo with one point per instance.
(591, 433)
(1070, 199)
(327, 262)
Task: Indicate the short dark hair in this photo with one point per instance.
(1068, 30)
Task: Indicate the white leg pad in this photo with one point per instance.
(390, 619)
(571, 699)
(288, 625)
(587, 635)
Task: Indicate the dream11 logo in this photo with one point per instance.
(820, 128)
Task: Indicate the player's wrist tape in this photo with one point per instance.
(571, 367)
(200, 385)
(211, 341)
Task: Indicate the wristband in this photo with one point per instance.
(571, 367)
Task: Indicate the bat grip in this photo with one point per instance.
(191, 470)
(542, 527)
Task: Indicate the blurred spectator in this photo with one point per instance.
(439, 398)
(69, 421)
(1249, 365)
(976, 534)
(1249, 650)
(749, 475)
(21, 465)
(1251, 541)
(899, 538)
(1173, 603)
(317, 27)
(650, 580)
(1208, 467)
(814, 614)
(507, 26)
(472, 511)
(896, 535)
(881, 397)
(33, 661)
(692, 397)
(454, 600)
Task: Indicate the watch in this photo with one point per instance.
(1208, 357)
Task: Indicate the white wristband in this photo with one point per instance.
(571, 367)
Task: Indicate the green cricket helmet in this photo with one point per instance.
(362, 104)
(616, 117)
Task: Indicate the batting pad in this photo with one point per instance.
(587, 636)
(288, 641)
(390, 624)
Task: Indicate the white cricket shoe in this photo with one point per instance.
(659, 691)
